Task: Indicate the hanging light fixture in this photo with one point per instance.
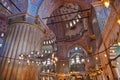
(96, 58)
(105, 55)
(106, 3)
(118, 43)
(33, 57)
(118, 21)
(8, 61)
(88, 60)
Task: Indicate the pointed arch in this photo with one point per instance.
(79, 46)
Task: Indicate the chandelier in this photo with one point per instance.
(33, 57)
(49, 65)
(48, 48)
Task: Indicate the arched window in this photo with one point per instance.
(77, 59)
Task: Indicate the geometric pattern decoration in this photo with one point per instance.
(33, 6)
(102, 15)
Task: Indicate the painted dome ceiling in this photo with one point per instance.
(43, 8)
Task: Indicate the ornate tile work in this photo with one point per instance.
(33, 6)
(102, 14)
(21, 4)
(47, 8)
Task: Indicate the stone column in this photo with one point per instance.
(22, 38)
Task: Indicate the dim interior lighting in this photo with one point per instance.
(113, 51)
(45, 51)
(96, 58)
(19, 62)
(8, 7)
(49, 51)
(76, 48)
(44, 42)
(82, 60)
(71, 24)
(67, 26)
(36, 62)
(74, 22)
(56, 59)
(77, 20)
(63, 64)
(79, 16)
(105, 55)
(48, 70)
(5, 3)
(118, 63)
(21, 55)
(72, 61)
(42, 55)
(52, 55)
(0, 45)
(38, 53)
(28, 55)
(118, 43)
(32, 52)
(2, 34)
(54, 62)
(49, 42)
(118, 21)
(79, 62)
(32, 61)
(8, 61)
(106, 3)
(28, 61)
(88, 60)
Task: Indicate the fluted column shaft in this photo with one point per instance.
(22, 38)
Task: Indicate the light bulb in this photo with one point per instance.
(8, 61)
(77, 20)
(32, 61)
(38, 53)
(32, 52)
(118, 63)
(28, 61)
(42, 55)
(118, 43)
(88, 60)
(29, 55)
(79, 62)
(96, 58)
(113, 51)
(44, 42)
(36, 62)
(56, 59)
(49, 42)
(118, 21)
(76, 48)
(107, 4)
(21, 55)
(82, 60)
(105, 55)
(19, 62)
(74, 22)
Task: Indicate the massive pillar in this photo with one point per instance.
(22, 38)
